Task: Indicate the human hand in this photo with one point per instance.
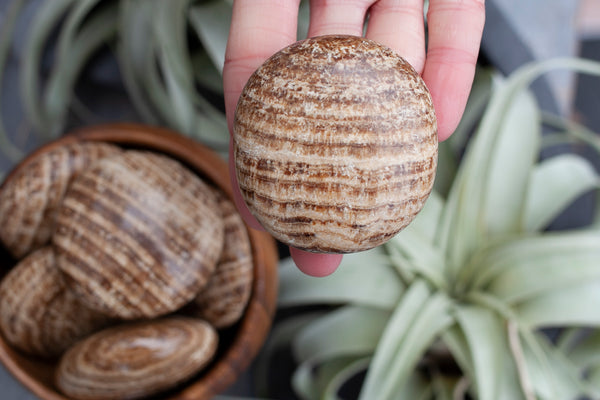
(260, 28)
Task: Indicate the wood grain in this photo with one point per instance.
(335, 144)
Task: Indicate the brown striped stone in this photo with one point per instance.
(138, 235)
(224, 299)
(335, 144)
(137, 359)
(29, 200)
(38, 314)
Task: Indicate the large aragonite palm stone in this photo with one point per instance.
(335, 144)
(138, 235)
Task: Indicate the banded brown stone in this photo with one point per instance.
(138, 235)
(135, 360)
(223, 301)
(335, 144)
(39, 315)
(29, 199)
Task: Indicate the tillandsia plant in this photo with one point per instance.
(458, 304)
(170, 56)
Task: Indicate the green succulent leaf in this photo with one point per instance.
(76, 46)
(347, 331)
(171, 49)
(135, 53)
(584, 350)
(575, 305)
(450, 150)
(380, 286)
(486, 338)
(552, 375)
(514, 152)
(44, 22)
(532, 267)
(411, 250)
(9, 20)
(556, 183)
(320, 380)
(211, 21)
(416, 322)
(342, 374)
(462, 227)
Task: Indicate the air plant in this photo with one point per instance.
(169, 54)
(458, 305)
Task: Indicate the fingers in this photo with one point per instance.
(399, 24)
(259, 28)
(343, 17)
(455, 29)
(317, 265)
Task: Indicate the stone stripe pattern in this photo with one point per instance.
(38, 314)
(29, 200)
(223, 301)
(137, 359)
(138, 235)
(335, 144)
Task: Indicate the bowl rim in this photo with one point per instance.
(256, 322)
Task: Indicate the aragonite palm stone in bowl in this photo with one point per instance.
(38, 314)
(136, 360)
(30, 198)
(335, 144)
(138, 235)
(223, 301)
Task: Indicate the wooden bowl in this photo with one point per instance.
(238, 344)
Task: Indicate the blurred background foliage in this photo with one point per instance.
(479, 298)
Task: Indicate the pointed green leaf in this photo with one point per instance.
(462, 228)
(574, 305)
(303, 20)
(303, 382)
(419, 318)
(342, 374)
(485, 336)
(46, 18)
(411, 249)
(402, 318)
(211, 21)
(363, 278)
(348, 331)
(555, 183)
(99, 29)
(552, 377)
(499, 257)
(549, 263)
(134, 53)
(169, 30)
(450, 150)
(515, 151)
(585, 352)
(10, 151)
